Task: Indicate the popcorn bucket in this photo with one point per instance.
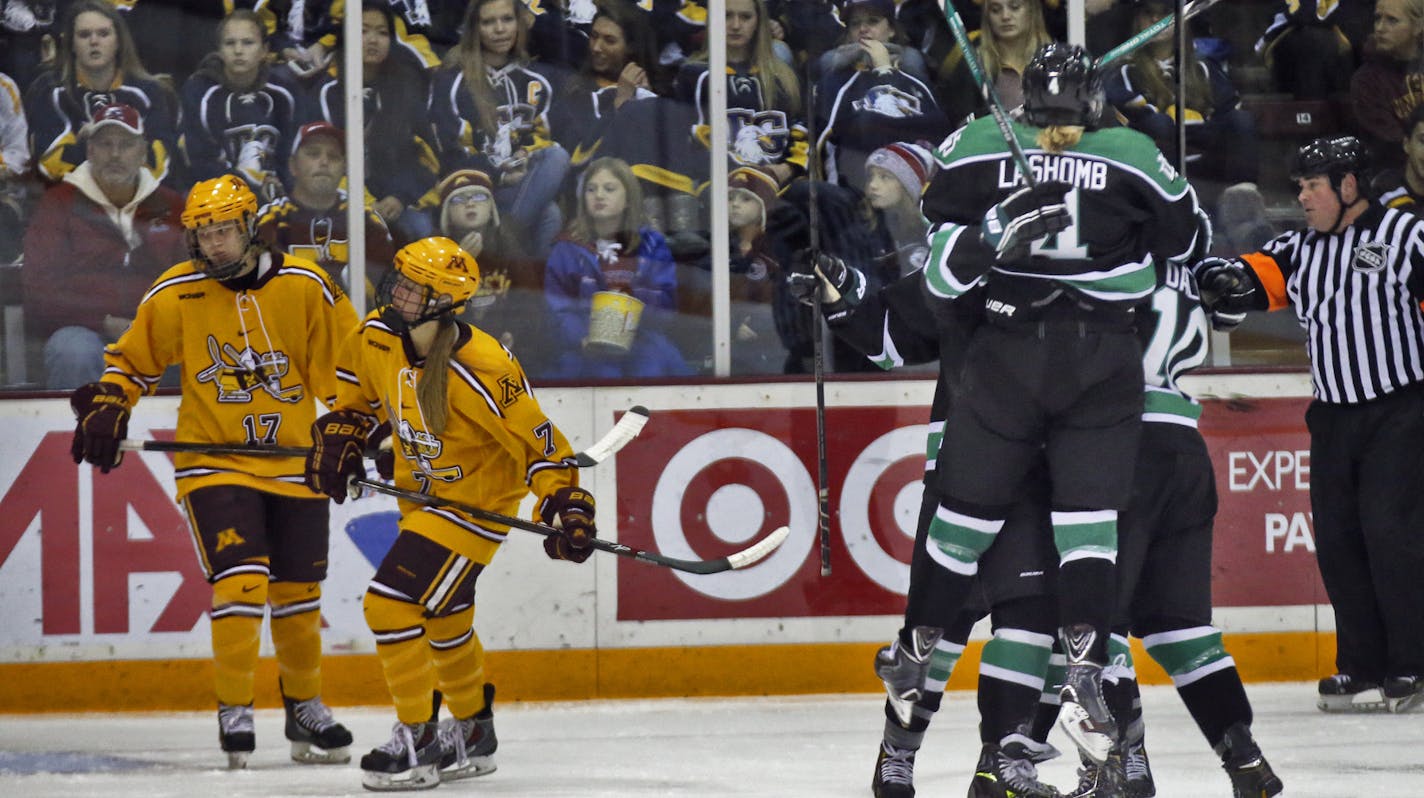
(612, 323)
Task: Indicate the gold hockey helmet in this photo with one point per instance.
(217, 201)
(432, 276)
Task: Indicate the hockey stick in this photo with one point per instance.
(741, 559)
(624, 431)
(986, 87)
(1137, 40)
(818, 339)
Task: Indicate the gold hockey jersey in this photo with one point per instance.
(254, 363)
(497, 445)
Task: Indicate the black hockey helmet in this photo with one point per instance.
(1334, 157)
(1061, 87)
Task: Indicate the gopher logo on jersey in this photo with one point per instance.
(238, 374)
(420, 447)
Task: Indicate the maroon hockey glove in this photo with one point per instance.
(338, 441)
(569, 510)
(102, 412)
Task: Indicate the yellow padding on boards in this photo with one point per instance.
(238, 604)
(296, 635)
(571, 674)
(407, 664)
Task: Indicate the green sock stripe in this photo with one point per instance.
(1096, 535)
(961, 537)
(1180, 655)
(1019, 657)
(1118, 647)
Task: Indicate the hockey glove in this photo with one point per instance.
(1222, 321)
(842, 287)
(1225, 285)
(1024, 217)
(569, 510)
(379, 448)
(338, 441)
(102, 412)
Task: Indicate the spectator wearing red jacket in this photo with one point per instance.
(94, 245)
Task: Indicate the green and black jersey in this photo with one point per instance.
(1130, 210)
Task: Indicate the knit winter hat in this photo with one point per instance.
(465, 182)
(760, 183)
(911, 164)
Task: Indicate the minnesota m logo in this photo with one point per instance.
(228, 537)
(509, 390)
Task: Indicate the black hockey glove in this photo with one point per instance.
(378, 448)
(842, 286)
(569, 510)
(338, 444)
(102, 412)
(1225, 285)
(1024, 217)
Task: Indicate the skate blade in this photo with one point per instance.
(237, 760)
(473, 767)
(1075, 722)
(420, 777)
(1409, 703)
(308, 754)
(1364, 701)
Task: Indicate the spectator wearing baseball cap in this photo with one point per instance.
(310, 220)
(108, 226)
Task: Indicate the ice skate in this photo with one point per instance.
(410, 760)
(894, 772)
(468, 745)
(1403, 693)
(1136, 769)
(316, 738)
(1006, 770)
(1084, 716)
(1251, 776)
(1344, 693)
(1106, 780)
(236, 734)
(903, 671)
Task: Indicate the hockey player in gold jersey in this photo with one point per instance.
(256, 333)
(465, 427)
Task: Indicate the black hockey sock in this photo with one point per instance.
(1124, 700)
(1087, 592)
(1004, 707)
(1216, 702)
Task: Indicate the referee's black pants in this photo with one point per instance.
(1367, 496)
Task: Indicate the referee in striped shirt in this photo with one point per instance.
(1355, 276)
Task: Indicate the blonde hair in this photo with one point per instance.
(1057, 138)
(1152, 81)
(432, 390)
(995, 55)
(468, 55)
(581, 228)
(780, 82)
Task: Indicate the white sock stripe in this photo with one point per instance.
(957, 649)
(935, 685)
(1007, 675)
(1179, 635)
(1024, 636)
(455, 642)
(288, 610)
(1059, 659)
(237, 611)
(400, 635)
(1120, 639)
(1065, 518)
(1089, 553)
(1204, 671)
(987, 526)
(245, 568)
(961, 568)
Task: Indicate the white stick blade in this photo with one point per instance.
(624, 431)
(760, 549)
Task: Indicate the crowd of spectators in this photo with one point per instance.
(566, 145)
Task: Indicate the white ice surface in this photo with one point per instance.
(777, 746)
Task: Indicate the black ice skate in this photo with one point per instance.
(894, 772)
(1084, 716)
(468, 745)
(903, 670)
(1006, 770)
(316, 738)
(1344, 693)
(1251, 776)
(236, 734)
(1403, 693)
(410, 760)
(1136, 768)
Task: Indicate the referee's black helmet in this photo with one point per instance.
(1061, 87)
(1334, 157)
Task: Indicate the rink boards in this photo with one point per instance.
(105, 605)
